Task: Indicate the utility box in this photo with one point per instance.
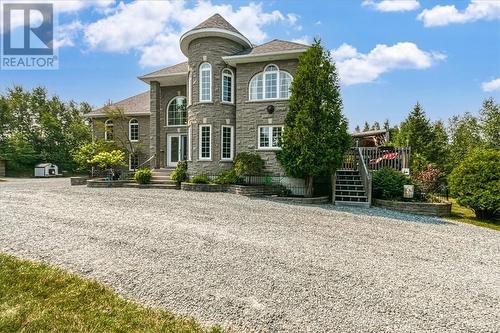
(46, 170)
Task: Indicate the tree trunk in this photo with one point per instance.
(309, 190)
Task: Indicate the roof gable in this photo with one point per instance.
(135, 105)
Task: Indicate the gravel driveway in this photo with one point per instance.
(260, 266)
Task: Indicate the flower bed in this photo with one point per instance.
(421, 208)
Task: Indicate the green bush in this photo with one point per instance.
(143, 176)
(476, 182)
(180, 172)
(113, 160)
(200, 179)
(388, 184)
(248, 164)
(228, 177)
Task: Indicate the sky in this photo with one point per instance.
(389, 53)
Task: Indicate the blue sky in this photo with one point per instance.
(390, 54)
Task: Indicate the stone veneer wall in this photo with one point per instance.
(215, 113)
(252, 114)
(421, 208)
(2, 168)
(144, 134)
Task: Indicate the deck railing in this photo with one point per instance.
(365, 173)
(376, 158)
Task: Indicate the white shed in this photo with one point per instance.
(46, 170)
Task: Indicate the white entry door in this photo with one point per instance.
(177, 145)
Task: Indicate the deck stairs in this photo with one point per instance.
(349, 189)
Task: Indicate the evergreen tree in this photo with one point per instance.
(357, 129)
(490, 122)
(387, 125)
(438, 145)
(376, 126)
(416, 132)
(366, 128)
(315, 136)
(465, 136)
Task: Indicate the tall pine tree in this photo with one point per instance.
(315, 136)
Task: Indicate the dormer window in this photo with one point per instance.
(205, 82)
(270, 84)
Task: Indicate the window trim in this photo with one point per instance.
(200, 127)
(168, 106)
(106, 125)
(200, 83)
(190, 142)
(130, 161)
(130, 130)
(222, 158)
(270, 147)
(222, 86)
(190, 89)
(278, 85)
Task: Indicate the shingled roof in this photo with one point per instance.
(135, 105)
(276, 45)
(216, 21)
(180, 68)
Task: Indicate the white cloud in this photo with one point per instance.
(493, 85)
(476, 10)
(355, 67)
(306, 40)
(392, 5)
(154, 28)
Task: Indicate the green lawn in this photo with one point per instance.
(466, 215)
(39, 298)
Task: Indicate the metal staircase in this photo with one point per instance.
(353, 181)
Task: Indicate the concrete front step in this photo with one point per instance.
(352, 203)
(163, 181)
(153, 185)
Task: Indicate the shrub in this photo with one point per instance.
(429, 179)
(143, 176)
(248, 164)
(388, 184)
(476, 182)
(113, 160)
(180, 172)
(228, 177)
(200, 179)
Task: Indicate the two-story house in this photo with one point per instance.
(229, 97)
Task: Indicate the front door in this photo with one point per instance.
(176, 148)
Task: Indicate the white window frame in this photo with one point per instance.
(222, 158)
(130, 161)
(209, 158)
(190, 89)
(200, 83)
(231, 75)
(263, 75)
(270, 147)
(190, 142)
(106, 125)
(136, 122)
(168, 107)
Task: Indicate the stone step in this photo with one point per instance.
(349, 187)
(349, 182)
(163, 181)
(351, 198)
(352, 203)
(349, 192)
(153, 185)
(162, 177)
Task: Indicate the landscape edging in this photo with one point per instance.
(422, 208)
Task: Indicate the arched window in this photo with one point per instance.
(108, 130)
(205, 82)
(176, 112)
(270, 84)
(227, 86)
(133, 130)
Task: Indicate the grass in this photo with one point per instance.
(39, 298)
(466, 215)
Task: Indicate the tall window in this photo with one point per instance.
(227, 86)
(176, 112)
(133, 162)
(108, 130)
(205, 82)
(270, 84)
(270, 137)
(227, 143)
(133, 130)
(190, 88)
(205, 145)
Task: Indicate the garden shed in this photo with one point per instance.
(46, 170)
(2, 168)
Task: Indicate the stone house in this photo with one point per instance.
(230, 96)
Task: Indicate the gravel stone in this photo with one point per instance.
(254, 265)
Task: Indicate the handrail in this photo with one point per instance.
(365, 174)
(147, 161)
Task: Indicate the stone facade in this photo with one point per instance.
(2, 168)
